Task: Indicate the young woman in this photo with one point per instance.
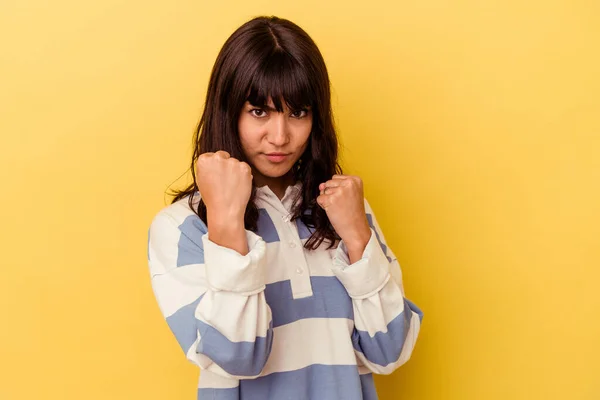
(270, 268)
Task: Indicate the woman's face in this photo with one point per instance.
(273, 141)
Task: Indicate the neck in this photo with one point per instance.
(277, 185)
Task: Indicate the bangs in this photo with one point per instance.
(282, 79)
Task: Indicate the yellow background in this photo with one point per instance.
(474, 124)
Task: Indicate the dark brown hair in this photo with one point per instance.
(271, 57)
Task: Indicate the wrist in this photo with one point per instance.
(357, 244)
(358, 239)
(228, 231)
(225, 217)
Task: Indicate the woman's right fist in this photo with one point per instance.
(225, 184)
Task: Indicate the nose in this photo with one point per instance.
(278, 134)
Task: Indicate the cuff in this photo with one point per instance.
(366, 276)
(228, 270)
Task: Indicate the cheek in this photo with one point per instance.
(249, 133)
(303, 133)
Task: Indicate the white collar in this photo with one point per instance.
(265, 193)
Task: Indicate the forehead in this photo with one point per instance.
(268, 103)
(281, 82)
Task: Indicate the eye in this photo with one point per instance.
(258, 112)
(299, 114)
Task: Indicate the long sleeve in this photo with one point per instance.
(212, 297)
(386, 324)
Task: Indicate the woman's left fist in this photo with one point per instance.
(342, 198)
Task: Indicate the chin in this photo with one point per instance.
(275, 172)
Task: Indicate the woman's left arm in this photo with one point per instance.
(386, 324)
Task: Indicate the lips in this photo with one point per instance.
(277, 157)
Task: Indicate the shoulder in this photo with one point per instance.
(175, 237)
(371, 217)
(368, 208)
(179, 215)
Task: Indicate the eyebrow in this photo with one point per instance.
(272, 109)
(268, 108)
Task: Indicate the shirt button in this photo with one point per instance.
(292, 245)
(285, 218)
(299, 271)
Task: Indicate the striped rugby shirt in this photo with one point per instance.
(281, 322)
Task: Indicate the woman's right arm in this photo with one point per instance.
(211, 296)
